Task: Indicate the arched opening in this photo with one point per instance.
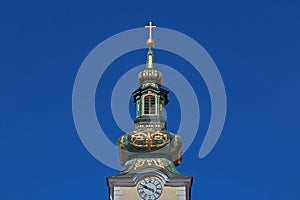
(149, 104)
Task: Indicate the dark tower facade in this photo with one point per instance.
(150, 153)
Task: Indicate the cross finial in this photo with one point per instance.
(150, 29)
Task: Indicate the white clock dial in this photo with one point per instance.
(149, 188)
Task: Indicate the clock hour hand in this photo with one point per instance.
(148, 188)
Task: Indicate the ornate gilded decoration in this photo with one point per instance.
(149, 140)
(149, 162)
(139, 163)
(159, 163)
(150, 84)
(175, 144)
(123, 144)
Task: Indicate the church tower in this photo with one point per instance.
(149, 154)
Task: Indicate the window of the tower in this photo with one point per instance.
(149, 104)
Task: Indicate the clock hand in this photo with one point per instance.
(148, 188)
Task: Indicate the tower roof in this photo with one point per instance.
(150, 139)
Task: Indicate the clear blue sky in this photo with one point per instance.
(255, 45)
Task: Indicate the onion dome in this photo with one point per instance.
(150, 74)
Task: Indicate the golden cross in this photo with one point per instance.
(150, 29)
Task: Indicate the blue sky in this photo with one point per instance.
(255, 45)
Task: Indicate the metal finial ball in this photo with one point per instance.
(150, 42)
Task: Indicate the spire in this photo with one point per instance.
(150, 60)
(150, 44)
(150, 75)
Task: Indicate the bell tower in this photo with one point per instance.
(149, 154)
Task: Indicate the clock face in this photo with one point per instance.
(149, 188)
